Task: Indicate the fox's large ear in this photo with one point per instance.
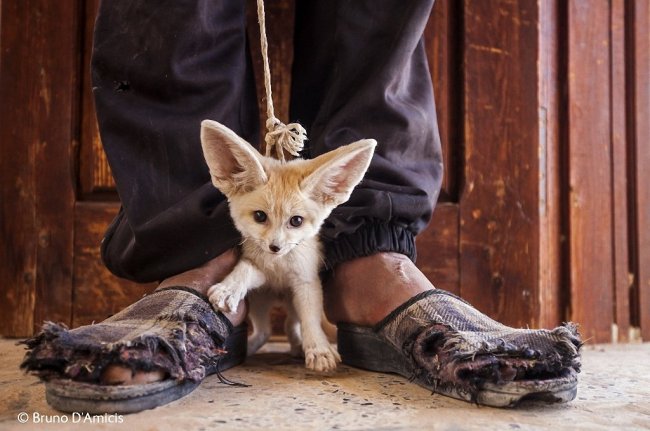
(234, 164)
(336, 173)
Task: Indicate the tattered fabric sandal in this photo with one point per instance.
(174, 330)
(446, 345)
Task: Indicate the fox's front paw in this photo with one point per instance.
(321, 358)
(226, 297)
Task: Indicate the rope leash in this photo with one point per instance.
(279, 137)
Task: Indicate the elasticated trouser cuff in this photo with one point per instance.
(369, 239)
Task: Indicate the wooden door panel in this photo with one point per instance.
(438, 249)
(97, 293)
(499, 206)
(638, 24)
(39, 84)
(589, 160)
(620, 208)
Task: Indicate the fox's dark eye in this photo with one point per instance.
(259, 216)
(295, 221)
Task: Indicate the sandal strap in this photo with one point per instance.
(224, 320)
(399, 310)
(468, 332)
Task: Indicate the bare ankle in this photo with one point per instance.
(206, 275)
(366, 289)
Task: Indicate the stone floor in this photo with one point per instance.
(614, 393)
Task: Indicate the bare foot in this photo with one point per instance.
(365, 290)
(199, 279)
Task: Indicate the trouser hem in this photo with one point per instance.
(370, 239)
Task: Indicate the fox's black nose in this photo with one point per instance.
(274, 248)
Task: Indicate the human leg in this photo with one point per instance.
(360, 72)
(187, 62)
(159, 69)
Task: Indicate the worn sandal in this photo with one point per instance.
(444, 344)
(175, 330)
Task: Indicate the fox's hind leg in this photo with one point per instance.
(292, 329)
(259, 313)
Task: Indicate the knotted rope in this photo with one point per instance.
(279, 136)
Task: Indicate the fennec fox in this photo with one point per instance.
(278, 208)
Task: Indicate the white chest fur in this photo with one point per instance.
(300, 265)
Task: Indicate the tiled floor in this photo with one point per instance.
(614, 393)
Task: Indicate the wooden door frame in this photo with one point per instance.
(39, 90)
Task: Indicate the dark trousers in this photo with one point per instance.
(360, 71)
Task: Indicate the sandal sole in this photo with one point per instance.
(361, 347)
(71, 396)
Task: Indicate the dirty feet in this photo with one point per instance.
(148, 341)
(390, 279)
(391, 319)
(199, 279)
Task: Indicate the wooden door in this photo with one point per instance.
(543, 113)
